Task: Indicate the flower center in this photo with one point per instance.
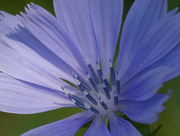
(100, 96)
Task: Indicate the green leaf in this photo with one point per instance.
(155, 131)
(144, 129)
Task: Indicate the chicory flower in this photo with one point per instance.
(69, 60)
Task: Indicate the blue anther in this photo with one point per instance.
(92, 72)
(81, 87)
(118, 89)
(62, 88)
(99, 71)
(88, 95)
(115, 99)
(65, 92)
(103, 104)
(81, 105)
(74, 98)
(81, 82)
(106, 91)
(91, 99)
(84, 84)
(112, 73)
(74, 75)
(77, 101)
(107, 84)
(93, 84)
(94, 110)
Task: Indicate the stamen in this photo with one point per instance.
(106, 91)
(118, 89)
(84, 84)
(86, 93)
(65, 92)
(115, 99)
(103, 78)
(92, 109)
(103, 104)
(112, 73)
(92, 71)
(99, 71)
(74, 75)
(81, 82)
(73, 98)
(93, 84)
(90, 97)
(107, 84)
(80, 103)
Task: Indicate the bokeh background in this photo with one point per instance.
(14, 124)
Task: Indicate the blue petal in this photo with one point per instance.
(31, 60)
(21, 98)
(145, 85)
(98, 128)
(27, 65)
(75, 17)
(140, 19)
(106, 18)
(46, 28)
(161, 39)
(121, 127)
(170, 60)
(145, 112)
(66, 127)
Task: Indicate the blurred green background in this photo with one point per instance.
(14, 124)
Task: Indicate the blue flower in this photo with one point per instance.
(40, 53)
